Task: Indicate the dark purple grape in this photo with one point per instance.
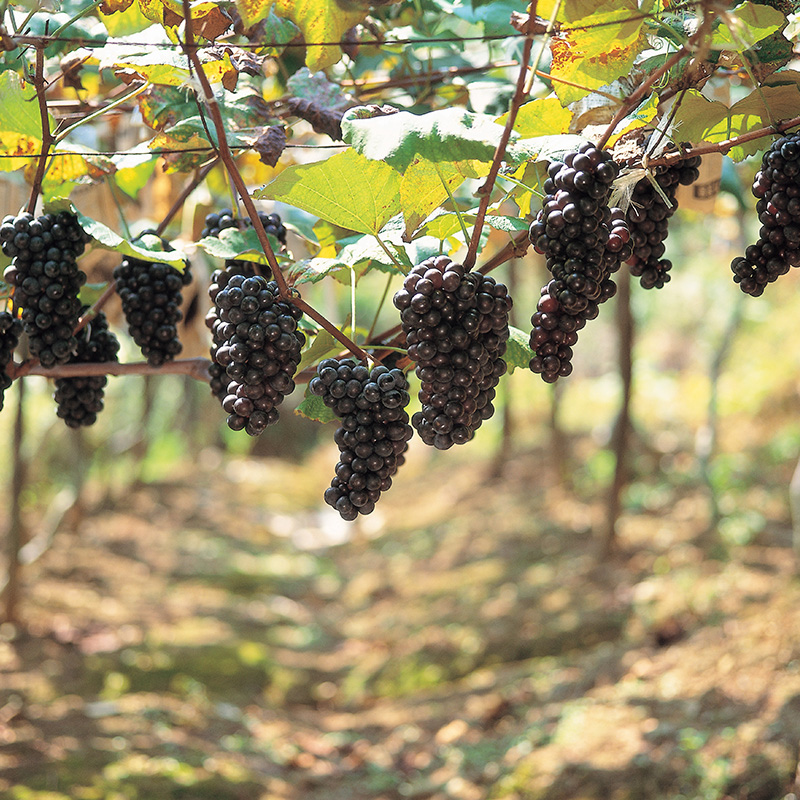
(373, 434)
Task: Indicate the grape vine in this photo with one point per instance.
(381, 184)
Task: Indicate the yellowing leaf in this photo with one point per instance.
(124, 18)
(113, 6)
(171, 69)
(540, 118)
(422, 189)
(20, 124)
(321, 21)
(745, 25)
(346, 189)
(596, 51)
(701, 120)
(253, 11)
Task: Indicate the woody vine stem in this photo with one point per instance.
(514, 248)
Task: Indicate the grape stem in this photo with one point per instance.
(94, 310)
(485, 191)
(198, 177)
(47, 136)
(724, 146)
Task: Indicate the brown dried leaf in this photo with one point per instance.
(71, 70)
(269, 143)
(242, 60)
(112, 6)
(322, 120)
(519, 22)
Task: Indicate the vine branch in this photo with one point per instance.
(190, 48)
(516, 101)
(193, 367)
(724, 146)
(47, 136)
(230, 165)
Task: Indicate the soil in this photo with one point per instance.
(223, 636)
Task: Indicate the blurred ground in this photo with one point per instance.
(219, 636)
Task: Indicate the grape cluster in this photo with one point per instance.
(584, 243)
(456, 327)
(46, 279)
(648, 217)
(257, 344)
(80, 399)
(220, 220)
(219, 280)
(373, 434)
(10, 331)
(777, 187)
(151, 296)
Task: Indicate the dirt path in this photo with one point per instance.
(187, 643)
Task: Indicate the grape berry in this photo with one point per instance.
(46, 279)
(151, 296)
(777, 187)
(584, 243)
(220, 220)
(456, 327)
(10, 331)
(258, 348)
(648, 216)
(373, 434)
(80, 399)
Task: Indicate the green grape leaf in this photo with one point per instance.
(746, 24)
(278, 32)
(505, 223)
(422, 190)
(134, 169)
(445, 225)
(314, 409)
(71, 164)
(449, 134)
(323, 346)
(253, 11)
(518, 352)
(20, 123)
(239, 244)
(322, 21)
(702, 120)
(106, 239)
(346, 189)
(171, 69)
(596, 50)
(313, 270)
(540, 117)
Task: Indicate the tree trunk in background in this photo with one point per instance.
(622, 427)
(509, 428)
(706, 439)
(16, 535)
(559, 447)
